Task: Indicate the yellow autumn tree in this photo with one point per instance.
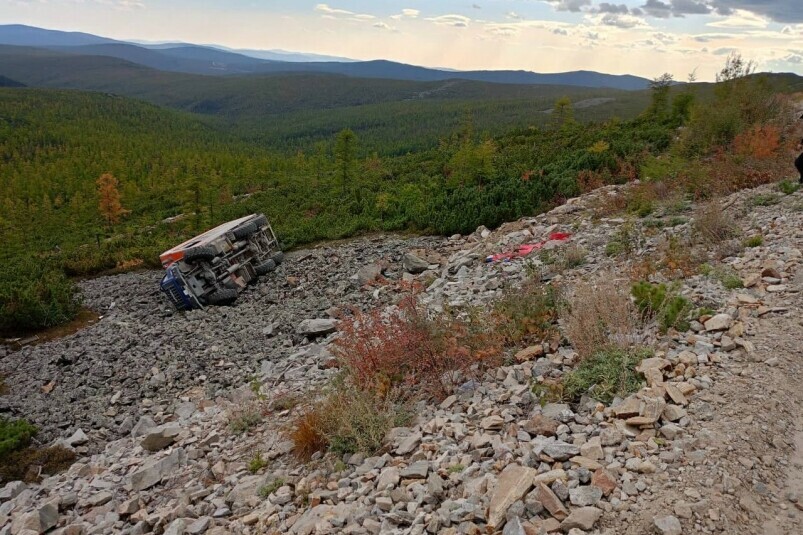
(109, 199)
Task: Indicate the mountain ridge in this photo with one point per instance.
(215, 60)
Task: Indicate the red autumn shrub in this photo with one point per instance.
(383, 349)
(759, 142)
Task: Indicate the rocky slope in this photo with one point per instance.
(711, 444)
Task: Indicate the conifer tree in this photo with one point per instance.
(109, 199)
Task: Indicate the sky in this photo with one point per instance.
(641, 37)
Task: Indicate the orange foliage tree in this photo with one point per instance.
(109, 199)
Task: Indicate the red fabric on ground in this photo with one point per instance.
(527, 248)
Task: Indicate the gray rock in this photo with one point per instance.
(160, 437)
(582, 518)
(417, 470)
(561, 451)
(12, 490)
(144, 425)
(153, 472)
(413, 264)
(585, 496)
(78, 438)
(668, 525)
(317, 327)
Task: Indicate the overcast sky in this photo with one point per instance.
(642, 37)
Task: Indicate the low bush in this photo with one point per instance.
(754, 241)
(713, 225)
(244, 419)
(788, 187)
(348, 420)
(764, 199)
(663, 303)
(257, 462)
(527, 313)
(599, 314)
(14, 435)
(266, 490)
(30, 464)
(34, 295)
(383, 349)
(609, 373)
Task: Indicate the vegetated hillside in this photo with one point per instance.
(294, 111)
(193, 60)
(211, 60)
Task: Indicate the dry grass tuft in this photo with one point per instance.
(600, 314)
(713, 225)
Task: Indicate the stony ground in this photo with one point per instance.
(713, 443)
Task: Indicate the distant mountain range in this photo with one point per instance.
(220, 61)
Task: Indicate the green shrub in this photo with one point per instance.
(787, 187)
(754, 241)
(614, 248)
(257, 462)
(607, 374)
(244, 419)
(266, 490)
(14, 435)
(34, 296)
(30, 464)
(526, 313)
(768, 199)
(659, 301)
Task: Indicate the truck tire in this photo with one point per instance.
(277, 257)
(223, 297)
(260, 221)
(244, 231)
(265, 267)
(202, 252)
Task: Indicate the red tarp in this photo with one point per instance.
(528, 248)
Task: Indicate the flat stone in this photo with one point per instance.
(513, 483)
(160, 437)
(673, 413)
(585, 495)
(413, 264)
(200, 525)
(561, 451)
(408, 444)
(592, 449)
(492, 423)
(675, 394)
(719, 322)
(12, 490)
(582, 518)
(153, 472)
(388, 478)
(78, 438)
(541, 425)
(604, 480)
(530, 353)
(668, 525)
(417, 470)
(551, 502)
(317, 327)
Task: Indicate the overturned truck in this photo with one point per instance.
(214, 267)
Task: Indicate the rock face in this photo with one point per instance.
(413, 264)
(153, 473)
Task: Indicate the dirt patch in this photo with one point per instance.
(84, 318)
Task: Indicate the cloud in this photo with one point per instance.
(343, 14)
(411, 13)
(476, 6)
(457, 21)
(513, 15)
(741, 19)
(676, 8)
(324, 8)
(569, 5)
(615, 9)
(621, 21)
(708, 37)
(384, 26)
(777, 10)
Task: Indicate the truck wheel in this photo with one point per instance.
(202, 252)
(265, 267)
(223, 297)
(260, 221)
(277, 257)
(244, 231)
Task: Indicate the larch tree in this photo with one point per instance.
(345, 149)
(111, 209)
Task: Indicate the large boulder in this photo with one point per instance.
(317, 327)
